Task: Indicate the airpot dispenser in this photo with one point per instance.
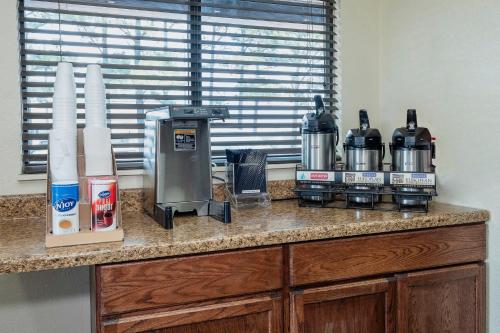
(364, 151)
(412, 150)
(319, 141)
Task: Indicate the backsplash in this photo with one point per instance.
(278, 189)
(21, 206)
(33, 205)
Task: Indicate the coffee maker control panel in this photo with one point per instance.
(199, 112)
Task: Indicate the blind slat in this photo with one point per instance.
(113, 106)
(266, 17)
(183, 50)
(139, 117)
(178, 59)
(257, 143)
(47, 126)
(117, 77)
(118, 155)
(172, 20)
(184, 98)
(215, 125)
(115, 146)
(42, 167)
(250, 6)
(119, 136)
(168, 88)
(175, 40)
(110, 46)
(181, 31)
(268, 151)
(179, 69)
(111, 95)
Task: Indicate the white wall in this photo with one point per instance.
(10, 125)
(31, 302)
(360, 59)
(443, 58)
(45, 302)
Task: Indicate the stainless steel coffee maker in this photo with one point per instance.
(412, 150)
(178, 165)
(364, 151)
(319, 141)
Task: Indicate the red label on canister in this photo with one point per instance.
(103, 199)
(319, 176)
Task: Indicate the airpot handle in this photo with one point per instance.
(411, 119)
(320, 106)
(364, 122)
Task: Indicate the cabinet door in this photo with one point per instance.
(258, 314)
(360, 307)
(442, 300)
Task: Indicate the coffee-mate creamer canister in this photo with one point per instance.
(103, 199)
(65, 218)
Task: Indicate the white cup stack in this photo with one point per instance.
(95, 98)
(62, 137)
(97, 136)
(64, 100)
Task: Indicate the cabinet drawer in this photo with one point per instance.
(255, 313)
(145, 285)
(364, 256)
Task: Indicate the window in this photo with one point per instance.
(264, 59)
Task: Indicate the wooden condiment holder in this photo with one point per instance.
(85, 235)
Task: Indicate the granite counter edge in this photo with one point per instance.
(163, 250)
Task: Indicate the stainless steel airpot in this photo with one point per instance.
(364, 151)
(412, 150)
(319, 139)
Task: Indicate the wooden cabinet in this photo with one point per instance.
(366, 306)
(449, 299)
(442, 300)
(429, 281)
(256, 314)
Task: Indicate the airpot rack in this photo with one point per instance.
(384, 190)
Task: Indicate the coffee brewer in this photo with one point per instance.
(178, 165)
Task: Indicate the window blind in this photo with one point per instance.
(264, 59)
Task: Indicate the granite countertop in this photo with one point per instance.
(22, 246)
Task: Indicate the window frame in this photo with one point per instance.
(196, 73)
